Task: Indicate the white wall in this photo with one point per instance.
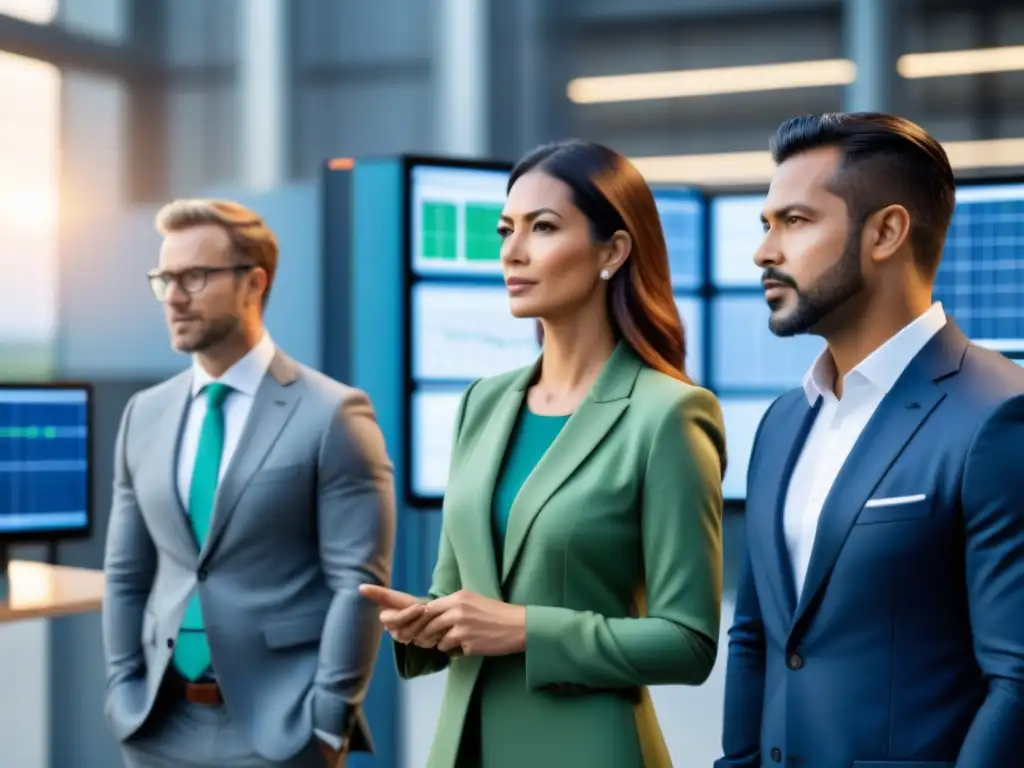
(25, 672)
(25, 705)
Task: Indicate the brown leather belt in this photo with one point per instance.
(205, 694)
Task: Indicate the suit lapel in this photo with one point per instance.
(580, 437)
(273, 405)
(166, 446)
(485, 461)
(790, 427)
(898, 417)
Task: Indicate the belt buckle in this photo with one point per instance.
(203, 694)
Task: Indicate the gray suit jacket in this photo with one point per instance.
(305, 513)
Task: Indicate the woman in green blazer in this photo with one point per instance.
(580, 558)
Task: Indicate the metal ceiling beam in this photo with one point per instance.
(607, 13)
(600, 14)
(53, 44)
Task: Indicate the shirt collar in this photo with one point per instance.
(245, 375)
(883, 367)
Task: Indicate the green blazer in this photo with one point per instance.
(613, 545)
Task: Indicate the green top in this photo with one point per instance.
(532, 437)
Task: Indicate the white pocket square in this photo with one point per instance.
(893, 501)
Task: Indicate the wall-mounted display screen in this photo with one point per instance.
(735, 234)
(454, 219)
(461, 332)
(742, 416)
(748, 356)
(45, 489)
(433, 420)
(461, 328)
(981, 278)
(682, 221)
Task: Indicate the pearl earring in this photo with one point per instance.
(606, 275)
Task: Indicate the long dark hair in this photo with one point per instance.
(612, 194)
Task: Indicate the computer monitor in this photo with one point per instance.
(453, 211)
(45, 462)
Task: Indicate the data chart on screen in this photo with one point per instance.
(691, 314)
(747, 355)
(454, 220)
(981, 278)
(44, 460)
(682, 221)
(742, 417)
(735, 234)
(433, 421)
(462, 332)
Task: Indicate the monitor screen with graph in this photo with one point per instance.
(453, 219)
(45, 461)
(980, 281)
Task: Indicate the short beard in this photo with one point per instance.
(215, 332)
(840, 283)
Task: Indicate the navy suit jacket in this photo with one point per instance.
(906, 647)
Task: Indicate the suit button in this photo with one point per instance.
(795, 662)
(202, 574)
(170, 642)
(777, 755)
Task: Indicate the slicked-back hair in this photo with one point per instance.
(886, 160)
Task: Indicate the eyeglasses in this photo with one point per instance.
(191, 281)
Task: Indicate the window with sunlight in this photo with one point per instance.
(29, 197)
(36, 11)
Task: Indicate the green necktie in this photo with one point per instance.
(191, 652)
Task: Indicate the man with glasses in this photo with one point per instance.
(252, 497)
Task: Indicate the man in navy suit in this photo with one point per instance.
(880, 613)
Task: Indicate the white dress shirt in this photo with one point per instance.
(838, 425)
(244, 378)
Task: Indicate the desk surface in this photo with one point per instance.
(37, 590)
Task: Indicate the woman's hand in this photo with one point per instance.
(401, 614)
(474, 625)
